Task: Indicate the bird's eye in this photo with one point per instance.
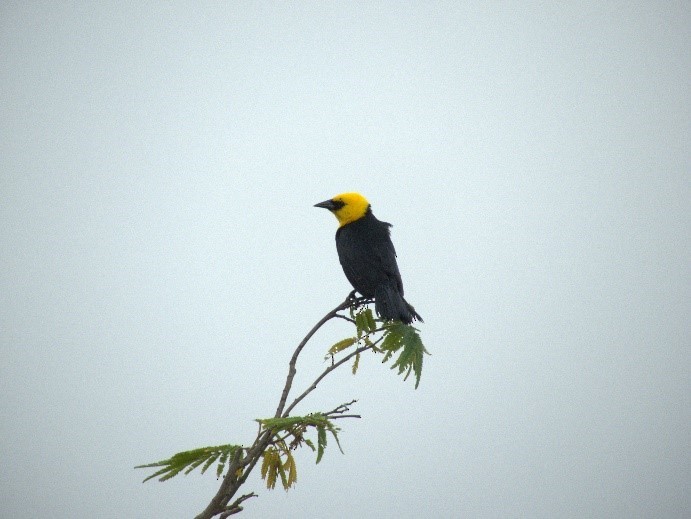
(338, 204)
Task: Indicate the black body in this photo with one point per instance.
(368, 258)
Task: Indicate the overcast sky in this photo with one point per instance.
(161, 258)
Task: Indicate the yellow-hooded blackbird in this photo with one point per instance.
(368, 257)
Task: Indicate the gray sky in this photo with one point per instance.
(161, 256)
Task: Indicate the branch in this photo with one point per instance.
(235, 508)
(343, 408)
(323, 374)
(293, 361)
(231, 481)
(340, 409)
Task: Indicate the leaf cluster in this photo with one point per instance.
(395, 337)
(295, 428)
(187, 461)
(289, 434)
(406, 339)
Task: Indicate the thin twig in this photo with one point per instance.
(341, 408)
(324, 373)
(293, 360)
(372, 346)
(235, 508)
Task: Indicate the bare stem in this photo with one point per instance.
(324, 373)
(293, 360)
(343, 408)
(235, 507)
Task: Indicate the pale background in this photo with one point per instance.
(161, 256)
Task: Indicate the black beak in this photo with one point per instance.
(327, 204)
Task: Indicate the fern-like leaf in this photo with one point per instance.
(221, 464)
(371, 323)
(321, 442)
(290, 422)
(272, 467)
(210, 462)
(297, 425)
(187, 461)
(405, 339)
(340, 346)
(356, 363)
(291, 469)
(361, 323)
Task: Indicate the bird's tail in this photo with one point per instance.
(390, 305)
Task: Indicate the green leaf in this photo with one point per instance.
(282, 473)
(221, 464)
(195, 464)
(270, 463)
(412, 356)
(209, 462)
(273, 467)
(361, 323)
(187, 461)
(405, 340)
(391, 342)
(334, 432)
(356, 363)
(290, 422)
(371, 323)
(340, 346)
(296, 426)
(290, 466)
(321, 442)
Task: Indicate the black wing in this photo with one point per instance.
(368, 256)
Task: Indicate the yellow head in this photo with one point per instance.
(347, 207)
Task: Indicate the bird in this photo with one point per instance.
(368, 257)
